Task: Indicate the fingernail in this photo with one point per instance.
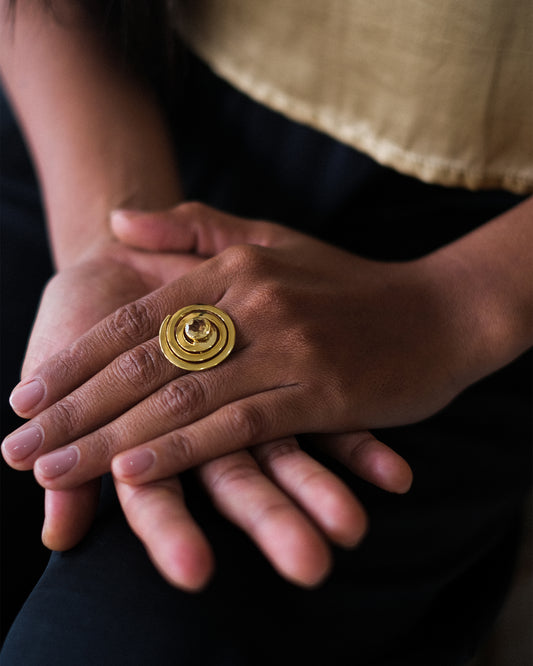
(23, 443)
(58, 463)
(135, 463)
(27, 396)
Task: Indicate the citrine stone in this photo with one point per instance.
(198, 329)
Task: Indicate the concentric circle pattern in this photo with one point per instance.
(197, 337)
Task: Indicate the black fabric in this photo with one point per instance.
(24, 268)
(426, 583)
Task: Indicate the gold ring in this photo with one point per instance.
(197, 337)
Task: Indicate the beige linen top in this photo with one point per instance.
(438, 89)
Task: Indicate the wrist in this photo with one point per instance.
(488, 322)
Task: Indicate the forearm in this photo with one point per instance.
(96, 134)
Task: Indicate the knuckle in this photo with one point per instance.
(270, 512)
(183, 450)
(268, 295)
(268, 454)
(103, 444)
(66, 415)
(275, 299)
(185, 396)
(246, 420)
(191, 209)
(359, 445)
(231, 478)
(247, 260)
(63, 363)
(132, 322)
(138, 366)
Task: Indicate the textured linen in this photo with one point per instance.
(440, 90)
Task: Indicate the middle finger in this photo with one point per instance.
(180, 402)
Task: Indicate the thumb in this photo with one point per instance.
(192, 227)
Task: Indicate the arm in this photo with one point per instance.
(96, 134)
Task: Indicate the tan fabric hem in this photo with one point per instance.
(359, 135)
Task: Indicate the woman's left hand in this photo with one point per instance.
(326, 342)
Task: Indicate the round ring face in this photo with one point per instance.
(197, 337)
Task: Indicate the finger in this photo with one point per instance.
(315, 489)
(261, 417)
(243, 494)
(110, 393)
(192, 227)
(176, 404)
(369, 458)
(181, 425)
(68, 515)
(129, 326)
(157, 514)
(125, 379)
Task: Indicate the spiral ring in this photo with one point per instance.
(197, 337)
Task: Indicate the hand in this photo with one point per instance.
(157, 512)
(346, 356)
(236, 483)
(161, 232)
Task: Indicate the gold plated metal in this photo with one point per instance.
(197, 337)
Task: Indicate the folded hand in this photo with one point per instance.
(138, 396)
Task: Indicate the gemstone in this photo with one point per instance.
(198, 329)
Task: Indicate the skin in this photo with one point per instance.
(92, 159)
(383, 377)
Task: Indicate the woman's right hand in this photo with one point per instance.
(289, 504)
(326, 342)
